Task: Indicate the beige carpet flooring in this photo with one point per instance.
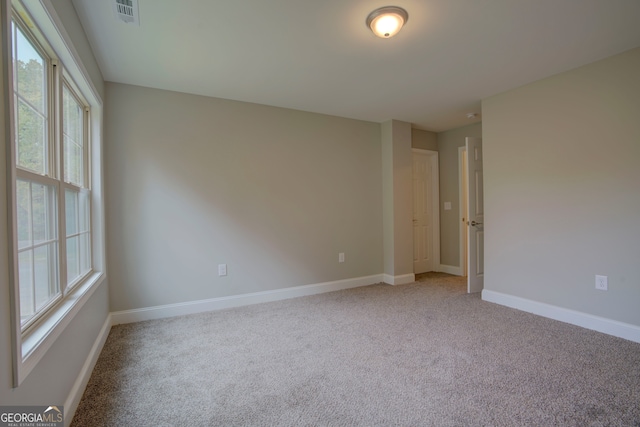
(423, 354)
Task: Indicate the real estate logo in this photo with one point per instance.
(31, 416)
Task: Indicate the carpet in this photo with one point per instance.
(422, 354)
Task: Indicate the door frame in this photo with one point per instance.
(475, 278)
(435, 192)
(463, 211)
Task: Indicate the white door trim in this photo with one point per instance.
(475, 208)
(435, 191)
(462, 210)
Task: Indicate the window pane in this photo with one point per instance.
(78, 246)
(73, 163)
(31, 139)
(85, 253)
(30, 97)
(30, 72)
(25, 277)
(23, 201)
(71, 211)
(84, 222)
(72, 116)
(46, 285)
(38, 246)
(43, 207)
(73, 259)
(73, 131)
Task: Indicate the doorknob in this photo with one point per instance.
(473, 223)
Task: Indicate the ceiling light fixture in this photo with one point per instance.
(387, 21)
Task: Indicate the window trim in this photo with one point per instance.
(30, 347)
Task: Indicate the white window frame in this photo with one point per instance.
(30, 345)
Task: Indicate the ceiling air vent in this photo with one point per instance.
(127, 11)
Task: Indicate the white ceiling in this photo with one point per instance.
(318, 55)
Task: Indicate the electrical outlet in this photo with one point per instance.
(222, 269)
(341, 257)
(602, 283)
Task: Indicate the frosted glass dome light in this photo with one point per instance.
(387, 21)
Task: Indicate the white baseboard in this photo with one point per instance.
(192, 307)
(589, 321)
(71, 404)
(450, 269)
(399, 280)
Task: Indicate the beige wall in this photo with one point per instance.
(397, 200)
(275, 194)
(52, 379)
(388, 255)
(424, 139)
(448, 143)
(562, 189)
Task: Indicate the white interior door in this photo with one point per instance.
(475, 206)
(425, 212)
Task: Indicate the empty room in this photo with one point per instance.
(320, 213)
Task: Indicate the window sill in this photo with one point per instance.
(36, 344)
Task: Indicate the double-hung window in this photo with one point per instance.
(52, 189)
(51, 168)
